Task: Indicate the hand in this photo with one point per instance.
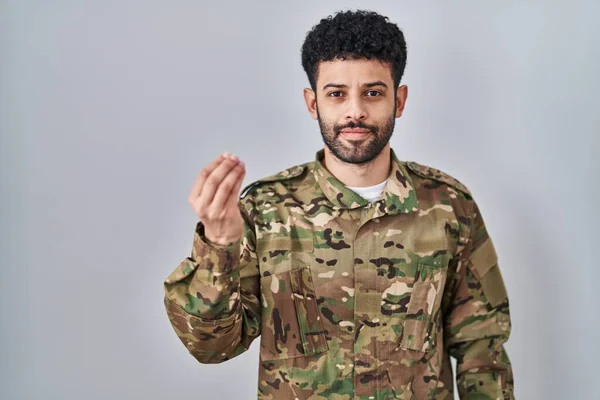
(214, 199)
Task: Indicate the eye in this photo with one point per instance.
(373, 93)
(335, 94)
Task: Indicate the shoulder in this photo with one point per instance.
(286, 176)
(435, 174)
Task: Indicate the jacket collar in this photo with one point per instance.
(399, 195)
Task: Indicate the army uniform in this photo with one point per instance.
(351, 299)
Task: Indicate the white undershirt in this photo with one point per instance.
(371, 193)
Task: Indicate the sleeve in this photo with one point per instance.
(212, 297)
(477, 323)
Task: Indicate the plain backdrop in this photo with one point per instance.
(109, 109)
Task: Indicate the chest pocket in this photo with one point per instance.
(420, 327)
(291, 322)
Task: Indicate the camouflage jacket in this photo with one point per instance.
(351, 299)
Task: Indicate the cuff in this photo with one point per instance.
(484, 385)
(216, 257)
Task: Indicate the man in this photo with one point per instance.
(362, 273)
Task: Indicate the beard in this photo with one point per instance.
(356, 151)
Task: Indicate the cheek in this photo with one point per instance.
(327, 124)
(382, 112)
(326, 116)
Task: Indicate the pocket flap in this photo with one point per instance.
(272, 242)
(484, 258)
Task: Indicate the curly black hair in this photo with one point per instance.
(354, 35)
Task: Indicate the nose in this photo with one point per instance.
(356, 109)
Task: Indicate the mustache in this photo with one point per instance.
(338, 128)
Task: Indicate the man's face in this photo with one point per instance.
(356, 106)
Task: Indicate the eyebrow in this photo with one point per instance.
(367, 85)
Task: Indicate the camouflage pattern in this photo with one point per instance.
(351, 299)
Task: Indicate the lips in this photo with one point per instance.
(355, 134)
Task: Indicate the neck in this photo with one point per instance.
(359, 175)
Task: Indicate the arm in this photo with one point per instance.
(477, 320)
(212, 297)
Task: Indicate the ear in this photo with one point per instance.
(401, 95)
(311, 102)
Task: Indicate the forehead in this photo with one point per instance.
(354, 72)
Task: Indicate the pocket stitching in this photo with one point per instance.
(428, 340)
(304, 338)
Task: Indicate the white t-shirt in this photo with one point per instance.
(371, 193)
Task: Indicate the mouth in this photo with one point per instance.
(355, 133)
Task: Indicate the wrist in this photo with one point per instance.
(223, 242)
(219, 240)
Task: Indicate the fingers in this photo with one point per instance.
(214, 180)
(206, 171)
(228, 188)
(235, 191)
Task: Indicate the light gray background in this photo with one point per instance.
(108, 110)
